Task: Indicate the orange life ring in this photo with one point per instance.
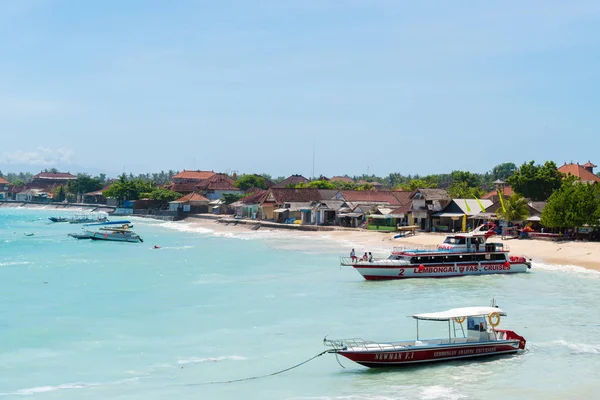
(494, 319)
(459, 320)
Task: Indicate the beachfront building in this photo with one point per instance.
(286, 205)
(361, 203)
(187, 181)
(584, 172)
(217, 185)
(384, 218)
(458, 214)
(96, 197)
(190, 203)
(425, 203)
(49, 180)
(3, 189)
(249, 206)
(37, 195)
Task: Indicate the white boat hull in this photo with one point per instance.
(373, 271)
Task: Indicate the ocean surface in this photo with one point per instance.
(102, 320)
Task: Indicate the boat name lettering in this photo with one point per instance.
(496, 267)
(433, 270)
(395, 356)
(463, 352)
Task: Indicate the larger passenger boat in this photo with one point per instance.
(477, 337)
(459, 255)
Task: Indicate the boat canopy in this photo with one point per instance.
(459, 313)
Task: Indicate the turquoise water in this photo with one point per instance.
(101, 320)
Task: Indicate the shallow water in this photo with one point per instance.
(97, 320)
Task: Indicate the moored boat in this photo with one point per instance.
(115, 235)
(458, 255)
(58, 219)
(477, 337)
(89, 218)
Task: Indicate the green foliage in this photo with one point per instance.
(317, 185)
(504, 171)
(59, 194)
(246, 182)
(516, 209)
(461, 190)
(124, 189)
(574, 204)
(84, 184)
(161, 194)
(229, 198)
(17, 183)
(417, 184)
(536, 182)
(469, 178)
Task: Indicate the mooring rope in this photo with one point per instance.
(258, 376)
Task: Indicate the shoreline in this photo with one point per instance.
(571, 253)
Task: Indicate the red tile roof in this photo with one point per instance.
(256, 197)
(192, 197)
(577, 170)
(589, 165)
(3, 181)
(371, 196)
(194, 175)
(54, 175)
(341, 179)
(219, 182)
(182, 187)
(283, 195)
(506, 192)
(292, 180)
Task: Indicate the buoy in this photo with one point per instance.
(156, 247)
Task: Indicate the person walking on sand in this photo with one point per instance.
(353, 255)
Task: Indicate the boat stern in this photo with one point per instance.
(512, 335)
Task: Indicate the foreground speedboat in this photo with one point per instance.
(458, 255)
(477, 337)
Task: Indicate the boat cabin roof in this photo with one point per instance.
(459, 313)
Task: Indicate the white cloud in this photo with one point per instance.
(42, 156)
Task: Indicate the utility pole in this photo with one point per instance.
(313, 161)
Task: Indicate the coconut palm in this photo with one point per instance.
(515, 209)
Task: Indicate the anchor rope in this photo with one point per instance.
(258, 376)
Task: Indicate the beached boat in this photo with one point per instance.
(459, 255)
(116, 235)
(472, 333)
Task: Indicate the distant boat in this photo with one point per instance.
(104, 223)
(89, 218)
(115, 235)
(84, 235)
(59, 219)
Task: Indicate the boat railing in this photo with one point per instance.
(349, 261)
(487, 248)
(359, 344)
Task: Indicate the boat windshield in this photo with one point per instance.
(455, 240)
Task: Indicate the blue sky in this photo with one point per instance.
(250, 86)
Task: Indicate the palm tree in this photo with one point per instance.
(515, 209)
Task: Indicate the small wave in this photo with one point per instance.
(186, 227)
(65, 386)
(580, 348)
(11, 263)
(197, 360)
(440, 392)
(573, 269)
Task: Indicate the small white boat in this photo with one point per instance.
(472, 333)
(115, 235)
(88, 218)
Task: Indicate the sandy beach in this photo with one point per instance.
(582, 254)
